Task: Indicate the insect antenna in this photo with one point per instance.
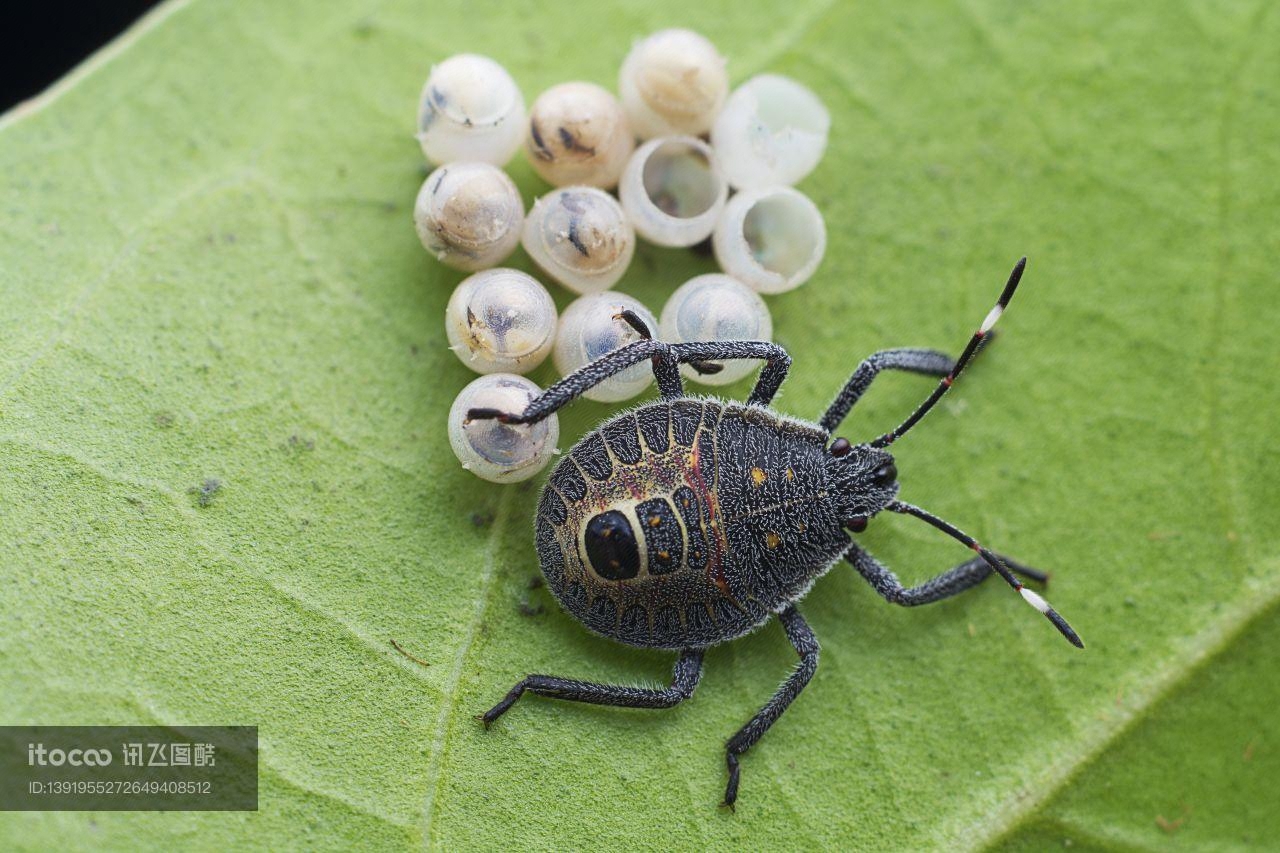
(969, 351)
(1030, 596)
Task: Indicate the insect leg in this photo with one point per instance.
(685, 677)
(930, 362)
(806, 645)
(777, 362)
(1029, 596)
(952, 582)
(575, 384)
(666, 368)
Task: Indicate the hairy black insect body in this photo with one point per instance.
(688, 522)
(730, 511)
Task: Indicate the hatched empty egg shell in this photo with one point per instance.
(578, 135)
(501, 320)
(580, 237)
(470, 109)
(589, 329)
(771, 131)
(715, 307)
(673, 82)
(469, 215)
(492, 450)
(673, 191)
(770, 239)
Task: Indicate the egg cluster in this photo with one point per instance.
(675, 158)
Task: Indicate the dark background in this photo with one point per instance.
(44, 40)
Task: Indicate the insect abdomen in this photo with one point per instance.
(625, 529)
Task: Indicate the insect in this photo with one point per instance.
(689, 522)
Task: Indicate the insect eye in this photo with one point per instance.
(841, 447)
(885, 474)
(857, 524)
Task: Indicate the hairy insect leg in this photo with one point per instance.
(665, 357)
(1029, 596)
(952, 582)
(698, 354)
(577, 383)
(666, 367)
(806, 645)
(684, 678)
(777, 362)
(929, 362)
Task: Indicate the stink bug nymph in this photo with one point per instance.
(689, 522)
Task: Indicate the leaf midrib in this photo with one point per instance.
(449, 688)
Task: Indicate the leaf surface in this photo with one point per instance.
(226, 481)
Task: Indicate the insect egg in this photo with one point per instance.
(772, 130)
(673, 190)
(589, 329)
(469, 215)
(715, 307)
(770, 239)
(492, 450)
(673, 82)
(580, 237)
(501, 320)
(578, 134)
(470, 109)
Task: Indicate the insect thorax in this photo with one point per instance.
(686, 523)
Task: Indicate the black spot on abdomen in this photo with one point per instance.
(611, 546)
(662, 537)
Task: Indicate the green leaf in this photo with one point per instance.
(226, 484)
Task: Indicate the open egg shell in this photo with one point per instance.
(770, 239)
(673, 191)
(772, 130)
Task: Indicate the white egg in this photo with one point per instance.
(470, 109)
(494, 451)
(469, 215)
(589, 329)
(771, 131)
(580, 237)
(715, 307)
(578, 135)
(501, 321)
(673, 82)
(770, 239)
(673, 191)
